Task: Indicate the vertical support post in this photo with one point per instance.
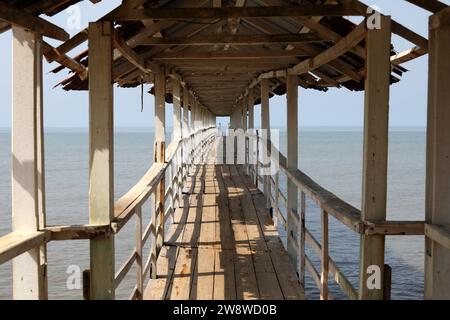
(160, 129)
(27, 176)
(186, 130)
(176, 87)
(101, 165)
(139, 267)
(325, 257)
(177, 134)
(292, 161)
(374, 188)
(437, 203)
(265, 126)
(251, 126)
(302, 255)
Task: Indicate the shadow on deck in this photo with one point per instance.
(223, 244)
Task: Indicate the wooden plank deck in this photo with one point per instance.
(223, 244)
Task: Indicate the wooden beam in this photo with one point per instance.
(65, 61)
(255, 39)
(433, 6)
(340, 48)
(396, 27)
(408, 55)
(70, 44)
(238, 55)
(27, 173)
(101, 164)
(233, 12)
(132, 56)
(28, 21)
(374, 193)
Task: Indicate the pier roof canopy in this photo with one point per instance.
(220, 49)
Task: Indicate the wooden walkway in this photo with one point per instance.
(223, 244)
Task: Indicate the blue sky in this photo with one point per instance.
(337, 107)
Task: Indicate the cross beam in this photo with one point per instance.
(259, 39)
(233, 12)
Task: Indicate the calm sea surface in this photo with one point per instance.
(331, 157)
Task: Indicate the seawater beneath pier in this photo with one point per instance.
(331, 156)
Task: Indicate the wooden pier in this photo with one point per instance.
(214, 201)
(223, 244)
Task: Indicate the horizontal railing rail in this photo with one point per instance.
(329, 204)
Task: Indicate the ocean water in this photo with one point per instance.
(332, 157)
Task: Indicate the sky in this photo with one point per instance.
(336, 108)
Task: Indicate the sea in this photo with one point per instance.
(331, 156)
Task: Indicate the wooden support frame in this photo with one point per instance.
(27, 176)
(437, 204)
(374, 193)
(101, 164)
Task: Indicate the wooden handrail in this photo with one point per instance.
(16, 243)
(131, 204)
(342, 211)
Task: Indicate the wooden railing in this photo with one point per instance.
(172, 173)
(181, 156)
(294, 222)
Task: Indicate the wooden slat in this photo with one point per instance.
(433, 6)
(411, 228)
(16, 243)
(80, 232)
(123, 271)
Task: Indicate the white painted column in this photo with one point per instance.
(374, 188)
(437, 257)
(185, 113)
(292, 159)
(176, 92)
(101, 164)
(27, 178)
(193, 114)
